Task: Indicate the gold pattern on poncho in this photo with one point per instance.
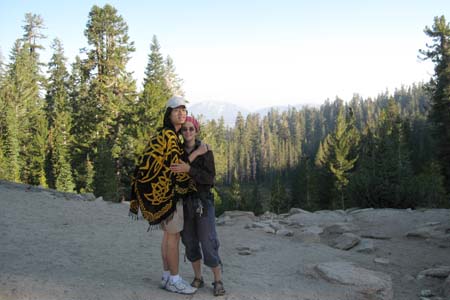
(155, 189)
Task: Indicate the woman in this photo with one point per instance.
(158, 192)
(199, 229)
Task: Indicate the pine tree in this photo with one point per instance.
(59, 122)
(111, 93)
(9, 125)
(428, 187)
(278, 197)
(393, 159)
(157, 89)
(384, 176)
(322, 178)
(439, 54)
(105, 181)
(174, 82)
(24, 134)
(256, 203)
(341, 158)
(2, 121)
(83, 125)
(237, 201)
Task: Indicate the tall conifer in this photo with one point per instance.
(59, 119)
(439, 54)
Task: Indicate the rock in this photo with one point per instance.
(88, 196)
(310, 234)
(357, 211)
(284, 222)
(285, 232)
(295, 210)
(313, 229)
(381, 261)
(236, 214)
(432, 224)
(245, 252)
(248, 250)
(268, 216)
(99, 199)
(258, 225)
(439, 272)
(339, 228)
(426, 293)
(276, 226)
(408, 278)
(319, 218)
(223, 220)
(352, 209)
(429, 230)
(445, 290)
(376, 236)
(373, 285)
(269, 230)
(345, 241)
(365, 246)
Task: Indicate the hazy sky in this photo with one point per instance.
(258, 53)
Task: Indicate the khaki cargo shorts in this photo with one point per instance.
(174, 223)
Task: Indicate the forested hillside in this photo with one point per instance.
(81, 128)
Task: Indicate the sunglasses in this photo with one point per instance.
(184, 129)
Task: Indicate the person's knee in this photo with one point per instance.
(173, 240)
(192, 247)
(193, 252)
(210, 249)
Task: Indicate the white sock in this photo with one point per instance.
(166, 274)
(174, 278)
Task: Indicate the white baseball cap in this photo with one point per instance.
(176, 101)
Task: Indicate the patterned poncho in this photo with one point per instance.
(155, 189)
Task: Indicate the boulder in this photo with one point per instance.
(371, 284)
(439, 272)
(319, 218)
(345, 241)
(339, 228)
(364, 246)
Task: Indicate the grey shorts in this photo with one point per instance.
(174, 223)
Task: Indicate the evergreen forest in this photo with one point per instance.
(81, 127)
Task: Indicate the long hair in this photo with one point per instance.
(166, 121)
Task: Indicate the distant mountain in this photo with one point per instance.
(280, 108)
(214, 110)
(211, 110)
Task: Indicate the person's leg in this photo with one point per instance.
(191, 242)
(173, 228)
(172, 252)
(206, 230)
(207, 235)
(197, 267)
(217, 273)
(166, 272)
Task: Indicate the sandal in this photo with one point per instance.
(219, 290)
(198, 283)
